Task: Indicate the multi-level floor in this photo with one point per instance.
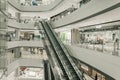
(59, 39)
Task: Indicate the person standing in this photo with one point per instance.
(96, 77)
(34, 3)
(41, 50)
(33, 35)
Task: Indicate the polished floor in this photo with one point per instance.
(28, 54)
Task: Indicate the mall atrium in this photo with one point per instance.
(59, 39)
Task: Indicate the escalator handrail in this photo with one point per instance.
(65, 68)
(52, 43)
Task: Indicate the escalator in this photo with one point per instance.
(46, 71)
(68, 67)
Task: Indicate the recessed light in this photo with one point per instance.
(99, 26)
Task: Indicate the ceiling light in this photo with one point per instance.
(99, 26)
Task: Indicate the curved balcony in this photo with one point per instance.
(91, 9)
(14, 44)
(26, 26)
(40, 8)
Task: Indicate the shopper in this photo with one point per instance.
(96, 77)
(12, 51)
(117, 43)
(41, 50)
(37, 50)
(33, 36)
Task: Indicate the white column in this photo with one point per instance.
(75, 36)
(17, 52)
(17, 33)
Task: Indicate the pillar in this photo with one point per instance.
(58, 34)
(75, 36)
(116, 43)
(17, 52)
(17, 34)
(18, 16)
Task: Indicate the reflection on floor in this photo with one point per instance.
(35, 55)
(31, 74)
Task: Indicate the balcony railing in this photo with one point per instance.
(69, 10)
